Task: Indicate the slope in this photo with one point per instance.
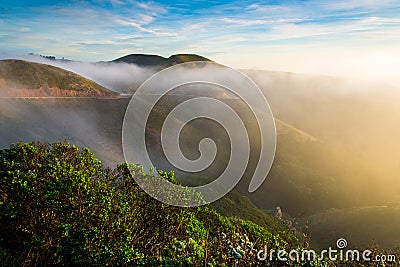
(159, 62)
(361, 226)
(27, 79)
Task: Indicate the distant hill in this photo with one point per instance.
(283, 128)
(330, 156)
(20, 78)
(361, 226)
(157, 61)
(96, 123)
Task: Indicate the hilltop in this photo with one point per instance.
(20, 78)
(144, 60)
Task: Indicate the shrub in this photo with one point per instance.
(59, 206)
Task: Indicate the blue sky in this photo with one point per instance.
(301, 36)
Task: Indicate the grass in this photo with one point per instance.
(28, 75)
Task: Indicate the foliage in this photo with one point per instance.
(245, 209)
(59, 206)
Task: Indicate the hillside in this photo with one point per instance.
(159, 62)
(93, 122)
(304, 178)
(362, 226)
(27, 79)
(329, 154)
(96, 123)
(283, 128)
(356, 123)
(234, 204)
(68, 210)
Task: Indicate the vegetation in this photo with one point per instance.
(19, 74)
(245, 209)
(59, 206)
(298, 181)
(159, 61)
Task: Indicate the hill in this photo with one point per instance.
(20, 78)
(96, 123)
(304, 179)
(361, 226)
(159, 62)
(329, 154)
(93, 122)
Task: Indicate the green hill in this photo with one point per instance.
(144, 60)
(236, 205)
(20, 78)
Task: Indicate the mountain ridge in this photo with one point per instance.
(19, 78)
(149, 60)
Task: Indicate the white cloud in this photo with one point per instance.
(249, 22)
(290, 31)
(381, 21)
(356, 4)
(134, 24)
(116, 2)
(146, 19)
(151, 7)
(196, 27)
(24, 29)
(97, 42)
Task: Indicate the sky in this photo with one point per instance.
(342, 37)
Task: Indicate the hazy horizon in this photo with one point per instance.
(339, 38)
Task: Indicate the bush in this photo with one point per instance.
(59, 206)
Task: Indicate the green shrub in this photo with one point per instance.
(59, 206)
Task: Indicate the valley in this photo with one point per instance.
(322, 173)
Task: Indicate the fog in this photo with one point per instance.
(337, 139)
(119, 77)
(93, 123)
(356, 126)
